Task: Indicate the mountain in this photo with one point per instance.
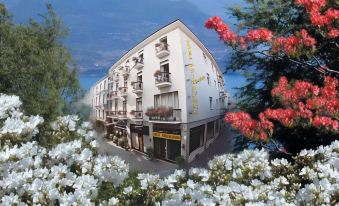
(102, 31)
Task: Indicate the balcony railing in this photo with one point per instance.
(163, 79)
(125, 71)
(222, 94)
(122, 114)
(161, 49)
(116, 77)
(164, 114)
(137, 87)
(139, 62)
(104, 91)
(123, 91)
(112, 114)
(137, 114)
(113, 95)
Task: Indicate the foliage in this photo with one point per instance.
(304, 106)
(73, 173)
(159, 112)
(281, 39)
(36, 66)
(308, 42)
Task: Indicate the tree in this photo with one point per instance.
(262, 69)
(302, 47)
(36, 66)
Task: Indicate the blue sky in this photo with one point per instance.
(101, 31)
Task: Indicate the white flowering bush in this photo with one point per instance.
(73, 173)
(70, 173)
(15, 127)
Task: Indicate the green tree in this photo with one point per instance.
(260, 70)
(36, 66)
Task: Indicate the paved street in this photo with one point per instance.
(221, 145)
(139, 161)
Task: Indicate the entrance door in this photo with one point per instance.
(141, 142)
(159, 148)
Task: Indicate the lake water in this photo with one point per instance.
(232, 81)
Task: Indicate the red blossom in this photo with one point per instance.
(326, 122)
(303, 103)
(333, 33)
(261, 34)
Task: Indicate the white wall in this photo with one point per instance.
(204, 89)
(151, 64)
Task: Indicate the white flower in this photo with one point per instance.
(128, 190)
(113, 201)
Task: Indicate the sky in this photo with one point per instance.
(101, 31)
(216, 7)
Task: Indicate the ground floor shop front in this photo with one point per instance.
(170, 141)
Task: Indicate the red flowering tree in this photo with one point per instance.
(306, 111)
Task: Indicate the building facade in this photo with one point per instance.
(167, 93)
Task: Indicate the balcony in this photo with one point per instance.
(137, 115)
(123, 91)
(223, 94)
(139, 63)
(105, 106)
(164, 114)
(125, 71)
(161, 49)
(112, 114)
(122, 114)
(103, 91)
(162, 79)
(116, 78)
(113, 95)
(137, 88)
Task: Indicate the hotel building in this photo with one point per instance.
(166, 93)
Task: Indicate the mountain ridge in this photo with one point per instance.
(102, 32)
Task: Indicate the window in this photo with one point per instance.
(105, 84)
(125, 83)
(164, 66)
(124, 106)
(217, 126)
(196, 137)
(208, 78)
(210, 130)
(116, 105)
(163, 40)
(215, 84)
(205, 58)
(211, 103)
(170, 99)
(139, 104)
(139, 78)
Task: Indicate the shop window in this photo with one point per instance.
(196, 137)
(210, 130)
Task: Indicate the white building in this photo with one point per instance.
(166, 93)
